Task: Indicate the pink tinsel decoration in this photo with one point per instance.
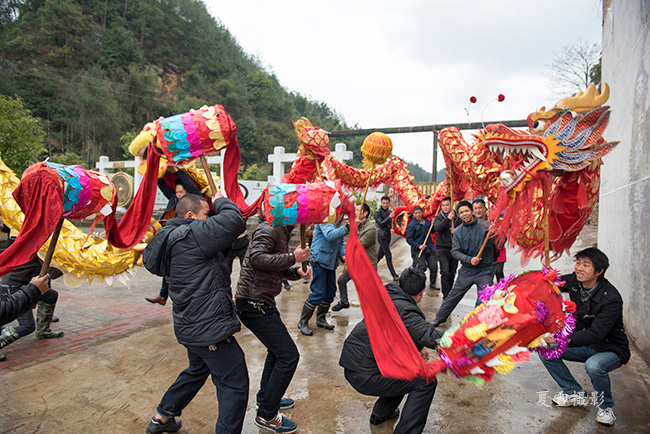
(561, 339)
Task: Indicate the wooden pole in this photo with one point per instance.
(545, 188)
(51, 247)
(426, 239)
(451, 192)
(303, 244)
(365, 191)
(431, 227)
(208, 175)
(487, 237)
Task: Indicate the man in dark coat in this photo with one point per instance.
(266, 264)
(384, 221)
(363, 374)
(444, 224)
(190, 253)
(466, 245)
(599, 340)
(423, 252)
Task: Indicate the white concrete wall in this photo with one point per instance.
(624, 215)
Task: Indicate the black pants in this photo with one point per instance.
(282, 356)
(384, 250)
(498, 270)
(448, 266)
(391, 392)
(467, 276)
(226, 364)
(427, 259)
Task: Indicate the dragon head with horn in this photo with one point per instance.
(568, 137)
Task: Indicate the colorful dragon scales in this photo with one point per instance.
(563, 145)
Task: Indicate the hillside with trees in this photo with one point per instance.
(95, 71)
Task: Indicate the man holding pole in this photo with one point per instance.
(418, 235)
(267, 262)
(444, 225)
(470, 248)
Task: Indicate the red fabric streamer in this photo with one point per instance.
(231, 161)
(135, 222)
(41, 198)
(394, 350)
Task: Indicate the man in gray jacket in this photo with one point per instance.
(190, 252)
(466, 245)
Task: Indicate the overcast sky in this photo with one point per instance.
(389, 64)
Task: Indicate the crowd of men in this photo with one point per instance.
(192, 253)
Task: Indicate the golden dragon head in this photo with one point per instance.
(313, 141)
(568, 138)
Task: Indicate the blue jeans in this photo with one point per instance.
(323, 285)
(282, 356)
(597, 366)
(225, 362)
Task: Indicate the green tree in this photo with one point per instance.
(21, 135)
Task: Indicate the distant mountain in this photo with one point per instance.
(95, 71)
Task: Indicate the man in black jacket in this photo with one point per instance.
(599, 339)
(192, 259)
(384, 221)
(363, 374)
(444, 224)
(265, 265)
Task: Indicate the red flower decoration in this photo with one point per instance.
(501, 97)
(570, 306)
(472, 100)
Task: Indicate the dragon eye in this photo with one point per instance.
(539, 126)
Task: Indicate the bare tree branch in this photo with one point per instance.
(571, 69)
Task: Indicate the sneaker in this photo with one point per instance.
(157, 426)
(562, 399)
(376, 420)
(340, 305)
(285, 403)
(278, 424)
(605, 416)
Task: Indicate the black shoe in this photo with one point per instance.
(286, 285)
(396, 278)
(156, 426)
(436, 323)
(321, 319)
(3, 357)
(54, 319)
(340, 305)
(376, 420)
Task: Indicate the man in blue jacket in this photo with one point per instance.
(419, 238)
(326, 249)
(475, 270)
(189, 251)
(599, 340)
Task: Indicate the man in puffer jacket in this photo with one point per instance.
(362, 372)
(192, 257)
(266, 264)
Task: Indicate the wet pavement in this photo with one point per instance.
(119, 355)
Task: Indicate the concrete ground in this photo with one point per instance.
(119, 355)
